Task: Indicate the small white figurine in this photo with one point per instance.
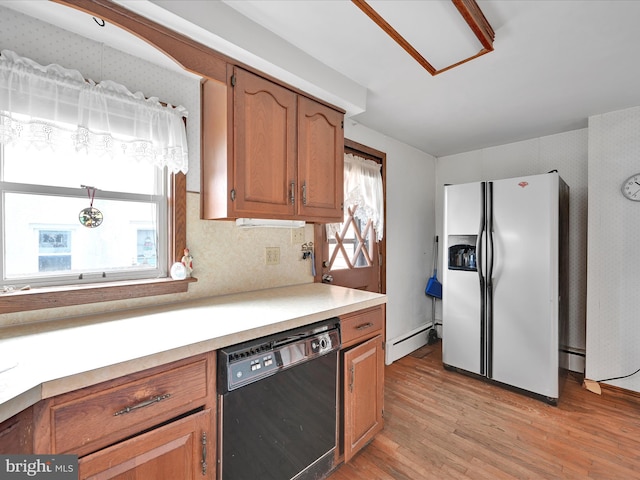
(187, 261)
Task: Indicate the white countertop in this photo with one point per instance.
(40, 361)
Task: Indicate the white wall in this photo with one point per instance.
(613, 322)
(410, 231)
(567, 153)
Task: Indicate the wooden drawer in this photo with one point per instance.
(359, 326)
(86, 423)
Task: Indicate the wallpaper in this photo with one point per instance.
(613, 324)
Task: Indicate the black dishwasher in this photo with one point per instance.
(278, 404)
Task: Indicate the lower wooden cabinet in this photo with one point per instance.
(153, 424)
(179, 450)
(161, 423)
(362, 379)
(363, 394)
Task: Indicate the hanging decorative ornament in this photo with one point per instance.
(90, 217)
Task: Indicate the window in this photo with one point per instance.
(45, 241)
(107, 154)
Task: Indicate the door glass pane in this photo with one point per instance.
(353, 247)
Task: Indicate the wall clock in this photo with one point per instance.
(631, 188)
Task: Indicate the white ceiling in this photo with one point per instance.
(555, 63)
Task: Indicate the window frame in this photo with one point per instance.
(68, 278)
(72, 295)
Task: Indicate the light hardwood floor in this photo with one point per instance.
(445, 425)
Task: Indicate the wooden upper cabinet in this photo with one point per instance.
(320, 175)
(269, 152)
(264, 138)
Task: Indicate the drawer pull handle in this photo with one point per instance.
(364, 326)
(146, 403)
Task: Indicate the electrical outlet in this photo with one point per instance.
(272, 255)
(297, 235)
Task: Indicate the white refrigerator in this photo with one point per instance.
(504, 300)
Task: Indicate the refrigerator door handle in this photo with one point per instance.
(489, 281)
(481, 278)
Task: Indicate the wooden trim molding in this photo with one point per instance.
(178, 217)
(189, 54)
(71, 295)
(469, 10)
(476, 20)
(618, 391)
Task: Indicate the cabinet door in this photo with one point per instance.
(320, 162)
(363, 394)
(174, 451)
(264, 147)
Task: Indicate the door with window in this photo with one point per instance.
(351, 254)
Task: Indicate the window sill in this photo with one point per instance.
(70, 295)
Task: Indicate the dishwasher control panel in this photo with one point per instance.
(245, 370)
(248, 362)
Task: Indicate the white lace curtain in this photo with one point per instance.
(47, 106)
(362, 189)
